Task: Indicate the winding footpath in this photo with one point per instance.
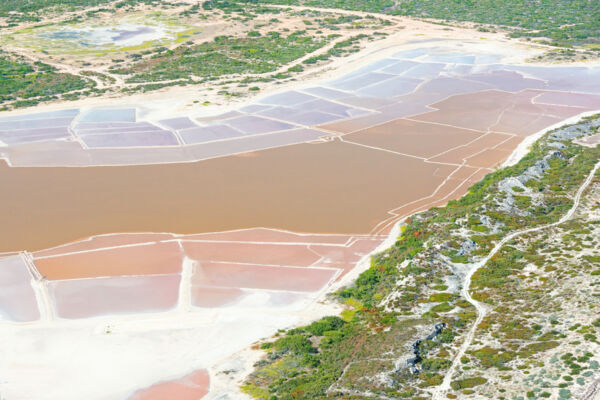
(439, 392)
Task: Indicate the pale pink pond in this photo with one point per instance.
(83, 298)
(190, 387)
(17, 298)
(301, 279)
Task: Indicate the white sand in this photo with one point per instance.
(79, 360)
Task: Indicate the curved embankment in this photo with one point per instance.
(481, 309)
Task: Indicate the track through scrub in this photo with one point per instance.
(481, 310)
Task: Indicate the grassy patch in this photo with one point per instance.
(33, 82)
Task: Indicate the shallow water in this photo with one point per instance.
(305, 188)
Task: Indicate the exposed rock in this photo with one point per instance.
(467, 247)
(583, 128)
(557, 145)
(413, 362)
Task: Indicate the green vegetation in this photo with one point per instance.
(562, 22)
(538, 282)
(18, 10)
(339, 49)
(24, 83)
(468, 383)
(33, 10)
(225, 55)
(490, 357)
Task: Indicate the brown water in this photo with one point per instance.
(323, 188)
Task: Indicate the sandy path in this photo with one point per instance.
(481, 309)
(592, 392)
